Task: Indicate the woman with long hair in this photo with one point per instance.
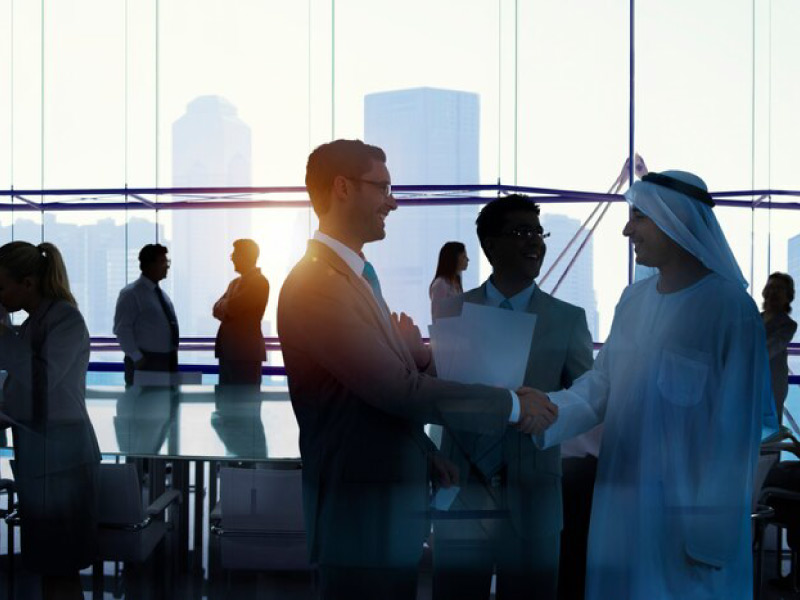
(453, 261)
(56, 457)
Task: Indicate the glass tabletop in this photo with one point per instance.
(195, 422)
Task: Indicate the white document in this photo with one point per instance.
(159, 378)
(484, 344)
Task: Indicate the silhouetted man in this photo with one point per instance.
(361, 393)
(144, 321)
(240, 342)
(506, 472)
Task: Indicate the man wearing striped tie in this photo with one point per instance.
(361, 391)
(505, 471)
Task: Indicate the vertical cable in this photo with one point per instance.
(631, 120)
(333, 69)
(769, 139)
(41, 133)
(516, 84)
(125, 151)
(308, 76)
(157, 115)
(753, 144)
(499, 88)
(11, 115)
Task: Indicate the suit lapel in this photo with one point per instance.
(361, 288)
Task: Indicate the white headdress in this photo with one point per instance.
(678, 202)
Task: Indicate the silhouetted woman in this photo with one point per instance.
(56, 453)
(778, 295)
(453, 261)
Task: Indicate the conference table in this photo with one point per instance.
(172, 428)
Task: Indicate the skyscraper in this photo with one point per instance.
(211, 147)
(578, 286)
(431, 136)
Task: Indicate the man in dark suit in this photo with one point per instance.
(360, 392)
(240, 343)
(505, 471)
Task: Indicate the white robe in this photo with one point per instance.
(681, 384)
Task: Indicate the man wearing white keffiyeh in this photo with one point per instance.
(682, 385)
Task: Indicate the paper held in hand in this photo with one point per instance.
(484, 344)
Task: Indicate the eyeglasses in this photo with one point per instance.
(384, 186)
(527, 233)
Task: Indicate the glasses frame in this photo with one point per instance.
(384, 186)
(525, 233)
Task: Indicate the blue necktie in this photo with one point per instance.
(506, 304)
(372, 279)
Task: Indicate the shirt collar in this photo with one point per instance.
(147, 282)
(351, 259)
(519, 301)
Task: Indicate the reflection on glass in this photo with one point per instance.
(237, 421)
(143, 419)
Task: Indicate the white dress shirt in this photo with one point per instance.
(140, 322)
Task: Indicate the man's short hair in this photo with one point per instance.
(248, 248)
(350, 158)
(150, 253)
(492, 217)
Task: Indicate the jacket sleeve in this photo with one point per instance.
(323, 331)
(580, 352)
(247, 300)
(60, 350)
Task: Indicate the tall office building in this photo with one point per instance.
(211, 147)
(431, 136)
(578, 286)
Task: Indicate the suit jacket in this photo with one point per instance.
(240, 311)
(360, 403)
(561, 350)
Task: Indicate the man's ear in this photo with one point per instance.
(340, 186)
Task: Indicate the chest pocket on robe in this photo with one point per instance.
(682, 376)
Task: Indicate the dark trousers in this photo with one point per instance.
(153, 361)
(362, 583)
(577, 488)
(239, 372)
(467, 552)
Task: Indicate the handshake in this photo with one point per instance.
(536, 412)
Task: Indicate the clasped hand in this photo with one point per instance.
(536, 412)
(412, 339)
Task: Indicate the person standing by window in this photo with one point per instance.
(453, 261)
(56, 453)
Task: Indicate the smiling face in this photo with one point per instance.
(515, 254)
(653, 247)
(364, 206)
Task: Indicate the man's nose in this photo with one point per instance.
(627, 230)
(391, 202)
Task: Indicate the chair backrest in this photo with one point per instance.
(120, 495)
(765, 462)
(262, 499)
